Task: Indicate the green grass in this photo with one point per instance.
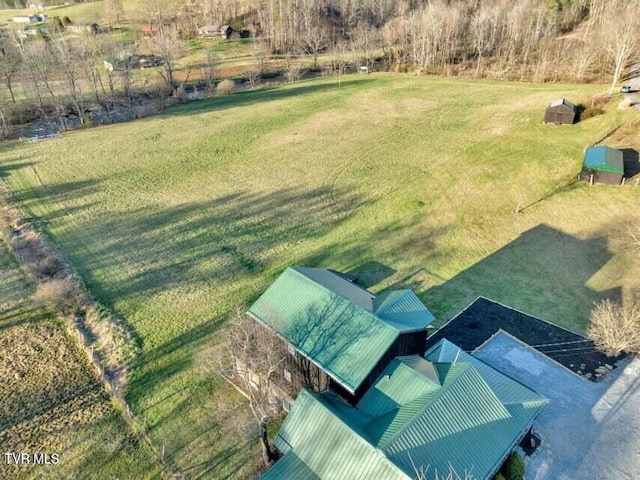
(173, 220)
(50, 400)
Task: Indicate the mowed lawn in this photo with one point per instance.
(51, 401)
(174, 220)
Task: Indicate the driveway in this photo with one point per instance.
(589, 431)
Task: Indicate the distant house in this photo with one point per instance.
(422, 417)
(226, 31)
(603, 165)
(209, 31)
(335, 334)
(93, 28)
(561, 111)
(126, 60)
(26, 19)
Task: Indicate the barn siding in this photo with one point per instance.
(560, 114)
(607, 178)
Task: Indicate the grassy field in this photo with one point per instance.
(173, 220)
(78, 12)
(50, 401)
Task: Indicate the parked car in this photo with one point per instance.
(625, 89)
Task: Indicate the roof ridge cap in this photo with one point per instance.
(379, 320)
(438, 394)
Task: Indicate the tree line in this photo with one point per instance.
(527, 40)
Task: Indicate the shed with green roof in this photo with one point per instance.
(603, 165)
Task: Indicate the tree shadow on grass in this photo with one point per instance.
(221, 240)
(263, 95)
(544, 272)
(7, 167)
(371, 273)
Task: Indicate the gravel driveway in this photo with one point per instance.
(589, 431)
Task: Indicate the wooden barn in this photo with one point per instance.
(561, 111)
(335, 335)
(602, 165)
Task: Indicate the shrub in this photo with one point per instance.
(591, 112)
(48, 267)
(513, 468)
(61, 295)
(498, 476)
(226, 87)
(615, 328)
(293, 73)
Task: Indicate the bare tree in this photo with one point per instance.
(209, 68)
(616, 328)
(9, 66)
(168, 46)
(621, 38)
(316, 40)
(249, 358)
(67, 57)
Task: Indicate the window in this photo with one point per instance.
(287, 375)
(291, 350)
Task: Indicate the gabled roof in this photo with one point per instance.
(604, 159)
(332, 322)
(328, 439)
(403, 310)
(562, 101)
(448, 410)
(508, 390)
(340, 286)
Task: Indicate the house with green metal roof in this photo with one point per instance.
(423, 415)
(338, 335)
(602, 165)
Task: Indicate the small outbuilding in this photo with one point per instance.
(561, 111)
(602, 165)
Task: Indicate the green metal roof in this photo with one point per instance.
(330, 442)
(341, 337)
(338, 285)
(464, 425)
(448, 410)
(289, 466)
(604, 159)
(398, 385)
(403, 310)
(508, 390)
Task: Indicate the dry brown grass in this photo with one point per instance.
(50, 398)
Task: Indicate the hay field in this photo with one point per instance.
(50, 401)
(171, 221)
